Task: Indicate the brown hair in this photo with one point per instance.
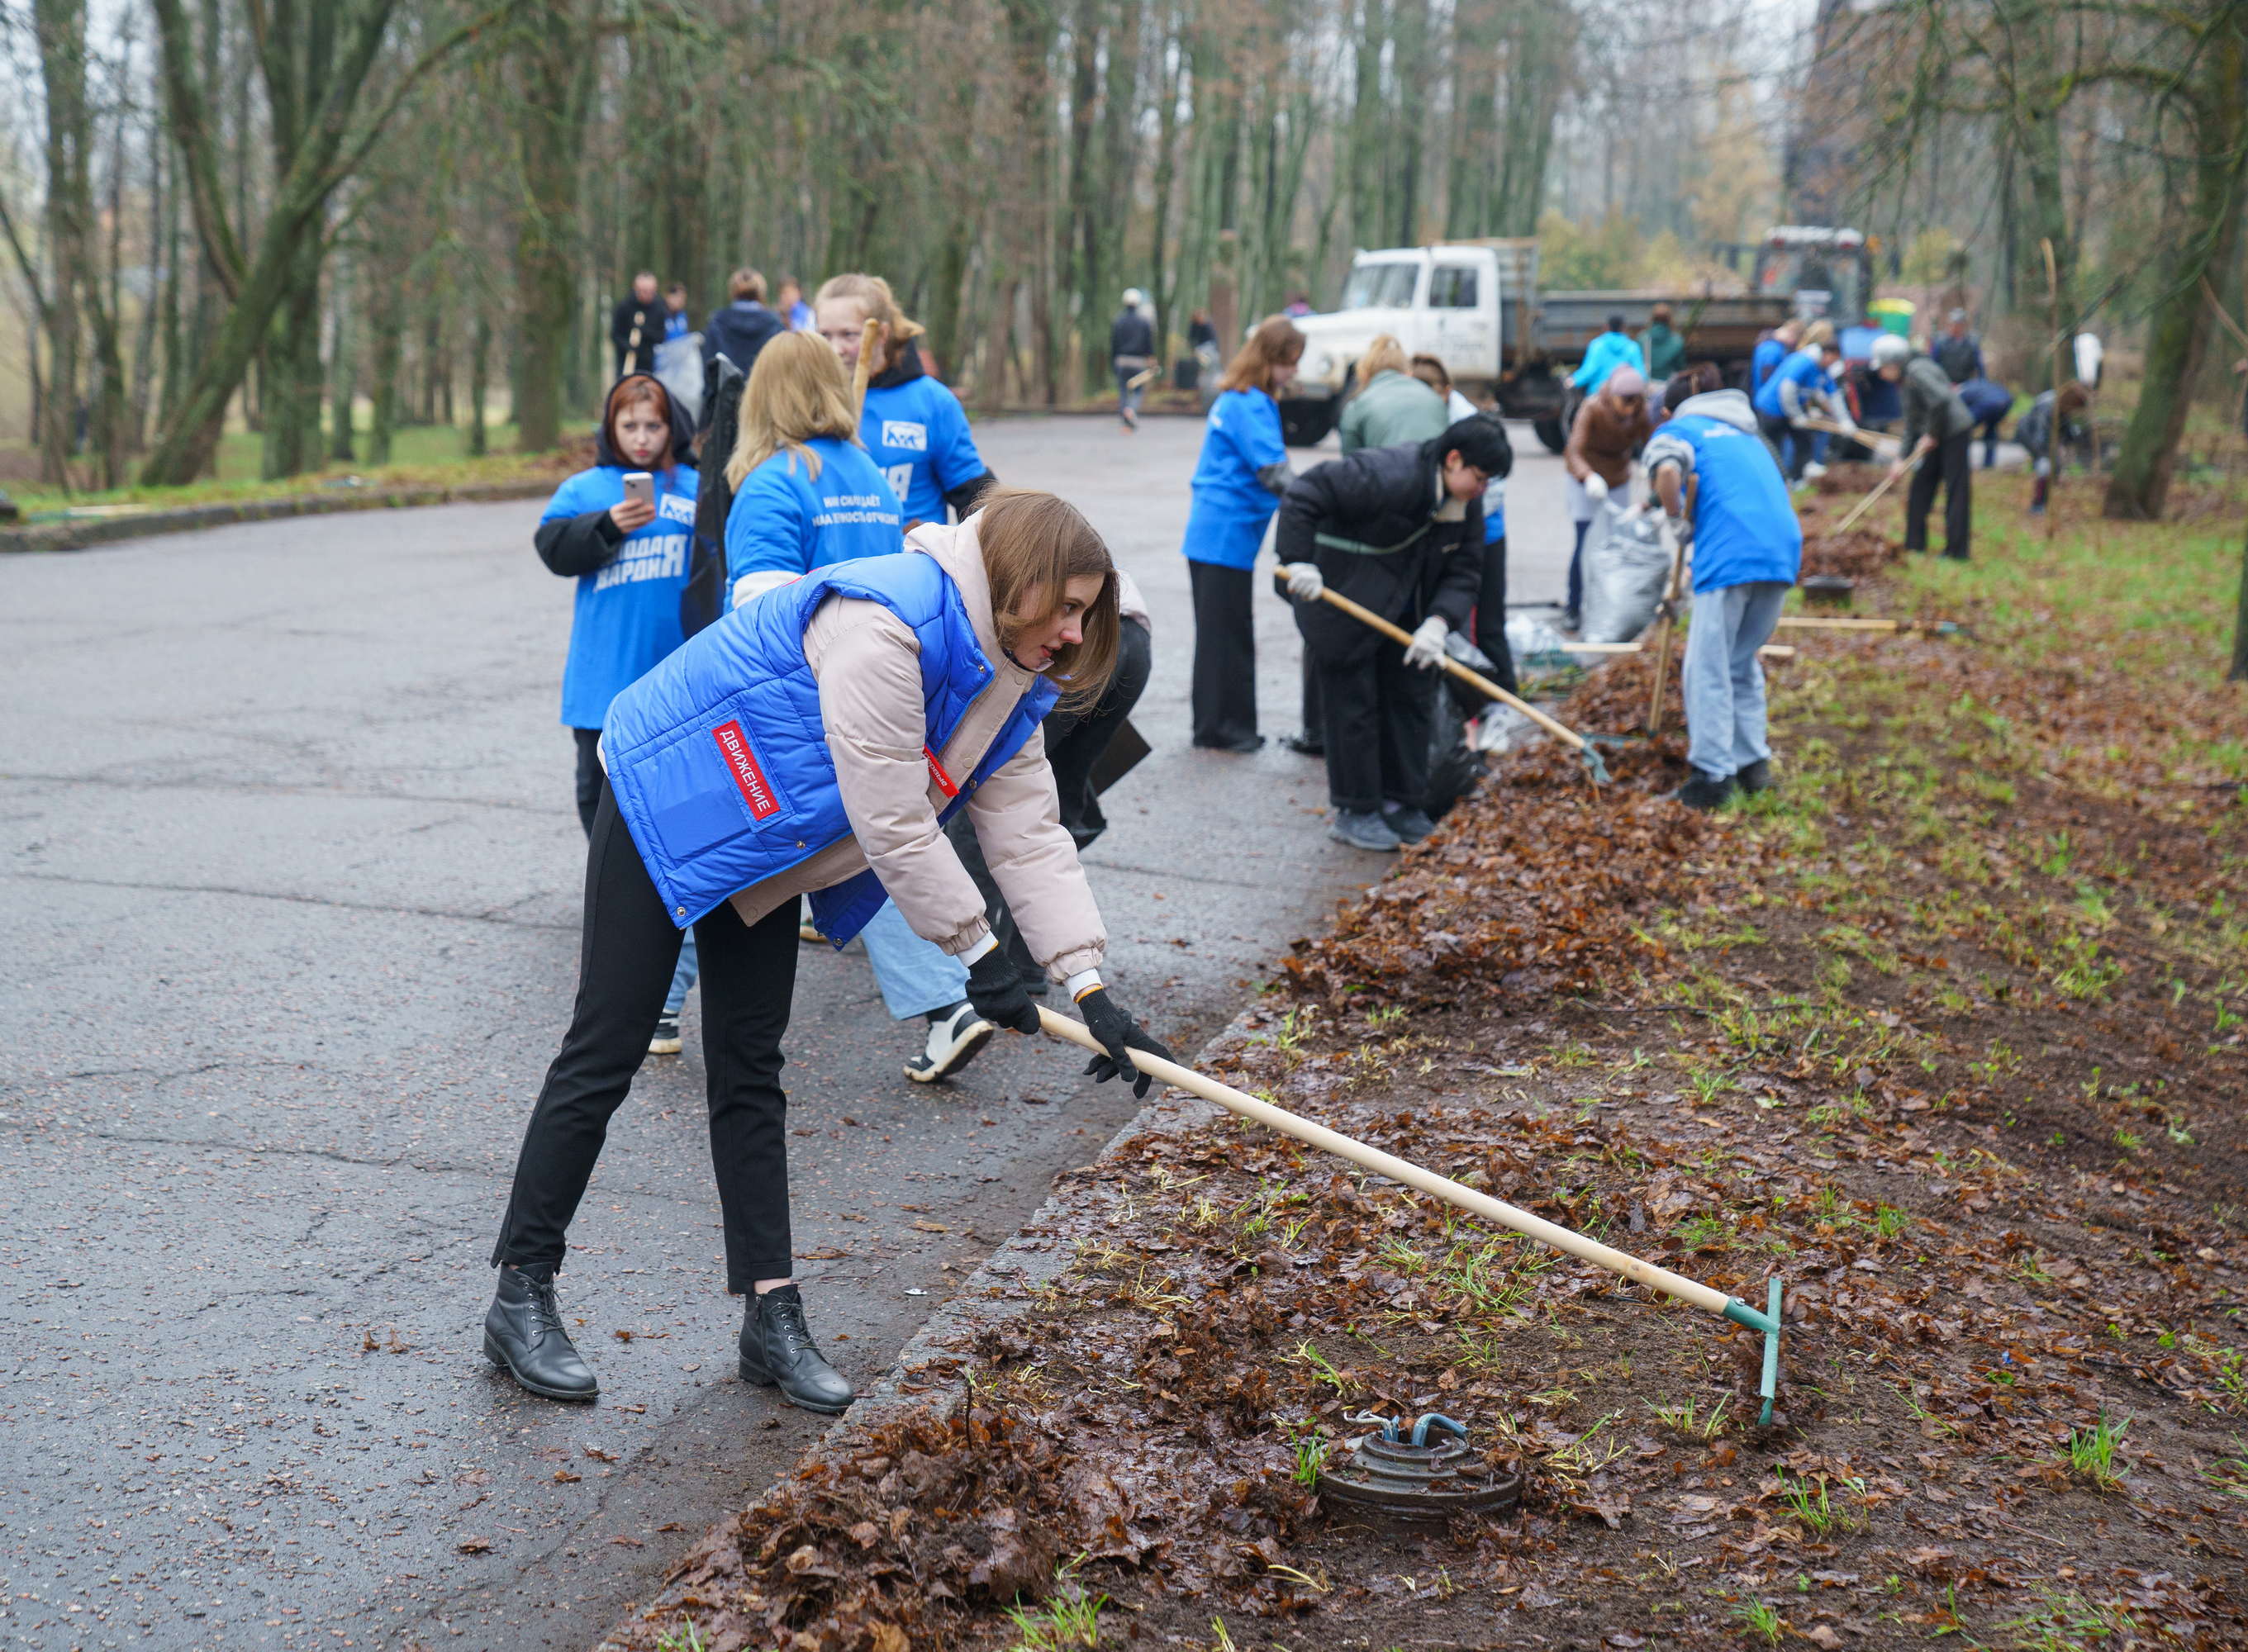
(1275, 344)
(746, 283)
(1033, 544)
(1383, 354)
(2073, 397)
(796, 391)
(1818, 336)
(1431, 371)
(629, 392)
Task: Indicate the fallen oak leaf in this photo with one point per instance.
(473, 1546)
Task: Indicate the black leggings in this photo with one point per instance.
(625, 963)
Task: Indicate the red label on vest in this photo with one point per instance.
(936, 773)
(742, 764)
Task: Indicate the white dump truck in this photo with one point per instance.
(1476, 306)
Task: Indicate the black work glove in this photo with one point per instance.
(1119, 1035)
(997, 993)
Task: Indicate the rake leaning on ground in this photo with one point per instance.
(1764, 1321)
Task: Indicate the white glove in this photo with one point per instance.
(1305, 580)
(1596, 487)
(1427, 648)
(750, 586)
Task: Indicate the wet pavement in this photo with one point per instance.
(289, 933)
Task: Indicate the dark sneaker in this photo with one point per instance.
(667, 1040)
(1705, 793)
(953, 1043)
(1756, 776)
(1305, 745)
(777, 1351)
(1363, 830)
(523, 1336)
(1242, 747)
(1410, 825)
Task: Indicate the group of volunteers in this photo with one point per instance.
(892, 724)
(840, 669)
(1409, 523)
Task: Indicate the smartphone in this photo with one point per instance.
(640, 486)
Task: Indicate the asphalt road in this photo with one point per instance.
(290, 934)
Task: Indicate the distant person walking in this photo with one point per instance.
(1131, 352)
(1939, 434)
(677, 323)
(789, 305)
(1237, 484)
(744, 326)
(636, 325)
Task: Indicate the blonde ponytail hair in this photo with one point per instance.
(872, 293)
(796, 391)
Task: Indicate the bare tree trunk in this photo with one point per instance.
(551, 77)
(2204, 243)
(343, 381)
(388, 326)
(479, 384)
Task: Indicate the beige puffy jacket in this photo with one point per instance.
(867, 664)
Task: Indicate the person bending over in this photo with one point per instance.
(1398, 531)
(1610, 426)
(811, 744)
(1722, 490)
(1939, 438)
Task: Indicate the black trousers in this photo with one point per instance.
(1225, 693)
(1490, 629)
(1794, 449)
(1953, 464)
(625, 963)
(590, 776)
(1074, 744)
(1377, 709)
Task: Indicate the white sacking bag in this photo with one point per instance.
(1537, 645)
(679, 370)
(1626, 570)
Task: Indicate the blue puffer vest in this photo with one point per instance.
(719, 759)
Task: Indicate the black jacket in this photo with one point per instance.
(649, 318)
(1400, 561)
(904, 370)
(738, 332)
(572, 546)
(1131, 334)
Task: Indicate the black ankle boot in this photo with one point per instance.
(1755, 777)
(778, 1349)
(523, 1334)
(1706, 792)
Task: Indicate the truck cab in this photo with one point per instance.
(1442, 300)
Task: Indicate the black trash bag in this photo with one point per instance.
(703, 599)
(1455, 769)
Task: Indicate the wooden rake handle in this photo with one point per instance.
(1397, 1169)
(1474, 679)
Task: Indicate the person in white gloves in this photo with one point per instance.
(1609, 427)
(1398, 531)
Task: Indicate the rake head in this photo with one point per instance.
(1767, 1322)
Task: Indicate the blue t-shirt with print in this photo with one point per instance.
(1230, 506)
(917, 433)
(1765, 362)
(627, 612)
(783, 519)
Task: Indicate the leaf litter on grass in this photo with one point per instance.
(1831, 1036)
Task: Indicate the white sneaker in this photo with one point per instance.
(953, 1043)
(1813, 471)
(665, 1040)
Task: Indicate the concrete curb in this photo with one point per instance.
(95, 530)
(1002, 1289)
